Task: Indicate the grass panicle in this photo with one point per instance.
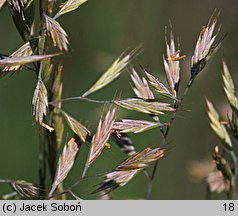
(41, 51)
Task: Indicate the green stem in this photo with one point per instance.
(42, 150)
(42, 164)
(41, 10)
(177, 104)
(7, 181)
(234, 158)
(86, 99)
(9, 196)
(233, 184)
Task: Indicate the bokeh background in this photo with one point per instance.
(99, 32)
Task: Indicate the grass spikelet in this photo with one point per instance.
(144, 106)
(23, 13)
(112, 72)
(66, 161)
(135, 126)
(69, 6)
(24, 50)
(171, 65)
(25, 189)
(205, 48)
(158, 86)
(57, 33)
(142, 159)
(218, 127)
(76, 126)
(40, 101)
(141, 88)
(229, 88)
(22, 60)
(99, 140)
(129, 168)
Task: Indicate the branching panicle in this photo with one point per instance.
(152, 99)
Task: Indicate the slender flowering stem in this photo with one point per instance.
(41, 10)
(42, 148)
(5, 181)
(73, 194)
(177, 104)
(86, 99)
(164, 135)
(58, 194)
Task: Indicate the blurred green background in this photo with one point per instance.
(99, 31)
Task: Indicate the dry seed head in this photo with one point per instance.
(135, 126)
(25, 189)
(76, 126)
(57, 33)
(205, 47)
(171, 65)
(204, 43)
(158, 86)
(122, 177)
(23, 13)
(141, 159)
(101, 137)
(114, 180)
(129, 168)
(144, 106)
(141, 88)
(40, 101)
(66, 161)
(22, 60)
(24, 50)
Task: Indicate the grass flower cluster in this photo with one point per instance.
(45, 42)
